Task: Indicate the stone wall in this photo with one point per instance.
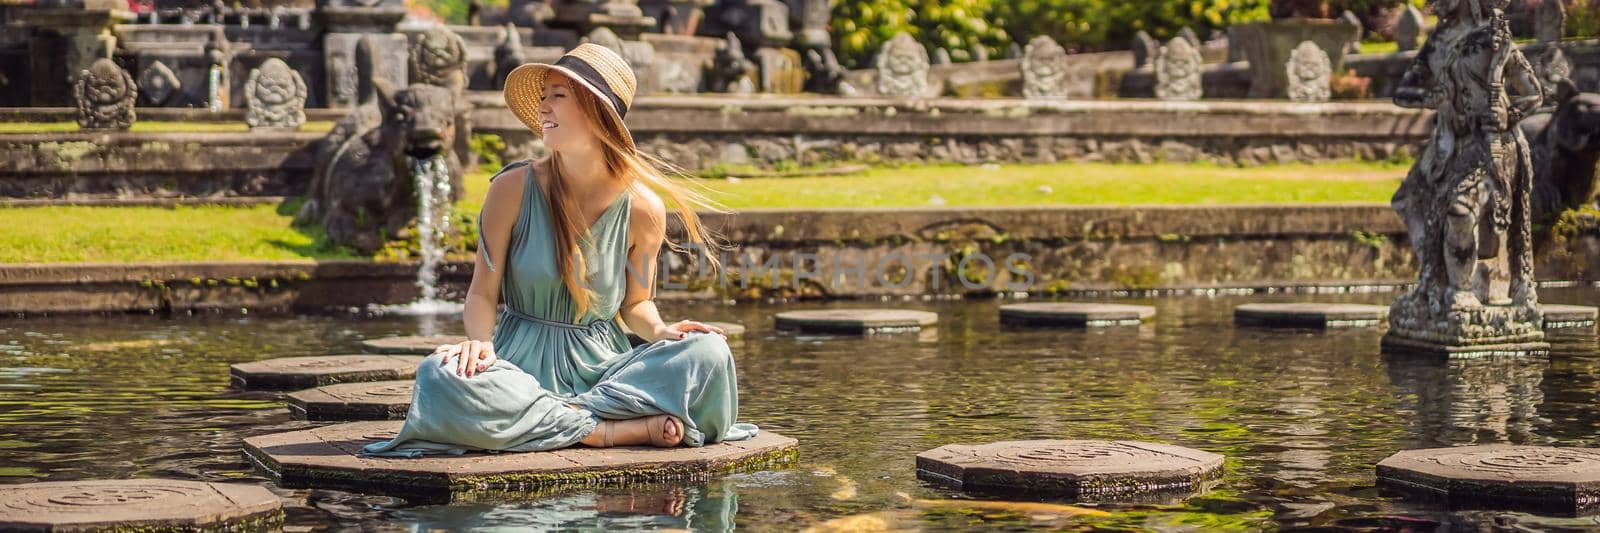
(699, 132)
(155, 165)
(1070, 250)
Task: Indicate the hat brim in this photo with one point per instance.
(524, 89)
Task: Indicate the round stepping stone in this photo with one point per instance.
(856, 321)
(1074, 314)
(1504, 476)
(290, 373)
(137, 505)
(1082, 469)
(1310, 314)
(1557, 316)
(410, 345)
(730, 328)
(328, 456)
(379, 400)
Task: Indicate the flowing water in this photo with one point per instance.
(433, 227)
(1302, 415)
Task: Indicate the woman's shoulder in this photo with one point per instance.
(646, 204)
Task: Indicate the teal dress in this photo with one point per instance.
(548, 363)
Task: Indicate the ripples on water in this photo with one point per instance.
(1302, 416)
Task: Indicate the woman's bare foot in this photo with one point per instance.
(662, 431)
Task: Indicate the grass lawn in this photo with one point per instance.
(211, 233)
(152, 126)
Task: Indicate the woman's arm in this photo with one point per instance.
(647, 230)
(499, 216)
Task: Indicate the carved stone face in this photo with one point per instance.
(903, 60)
(106, 85)
(1047, 62)
(1580, 131)
(1182, 65)
(276, 85)
(425, 117)
(1306, 70)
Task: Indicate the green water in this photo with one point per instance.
(1302, 416)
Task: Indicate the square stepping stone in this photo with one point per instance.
(377, 400)
(855, 321)
(1499, 476)
(1310, 315)
(410, 345)
(137, 505)
(291, 373)
(1559, 316)
(1074, 314)
(1080, 469)
(329, 456)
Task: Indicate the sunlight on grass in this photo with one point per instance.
(215, 233)
(1069, 184)
(139, 234)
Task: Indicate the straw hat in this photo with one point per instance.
(595, 67)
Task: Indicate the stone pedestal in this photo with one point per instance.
(1488, 330)
(1267, 45)
(66, 41)
(620, 16)
(346, 21)
(758, 23)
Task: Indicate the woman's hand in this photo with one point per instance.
(682, 328)
(469, 357)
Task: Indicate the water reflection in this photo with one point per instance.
(709, 507)
(1471, 401)
(1302, 416)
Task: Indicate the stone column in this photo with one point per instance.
(346, 22)
(69, 36)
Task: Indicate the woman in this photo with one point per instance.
(556, 369)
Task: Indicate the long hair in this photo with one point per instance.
(635, 170)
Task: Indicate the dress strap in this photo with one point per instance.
(482, 245)
(597, 325)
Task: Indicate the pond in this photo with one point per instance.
(1302, 415)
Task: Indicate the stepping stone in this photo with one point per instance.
(328, 456)
(730, 328)
(378, 400)
(1082, 469)
(410, 345)
(856, 321)
(1557, 316)
(1074, 314)
(1310, 315)
(137, 505)
(290, 373)
(1501, 476)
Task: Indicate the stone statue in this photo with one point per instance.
(730, 71)
(373, 172)
(1408, 29)
(1145, 49)
(825, 75)
(439, 58)
(1188, 34)
(902, 67)
(1044, 69)
(941, 56)
(1552, 66)
(274, 96)
(508, 54)
(1565, 144)
(1349, 17)
(157, 83)
(105, 95)
(1309, 73)
(1465, 202)
(1178, 71)
(1547, 27)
